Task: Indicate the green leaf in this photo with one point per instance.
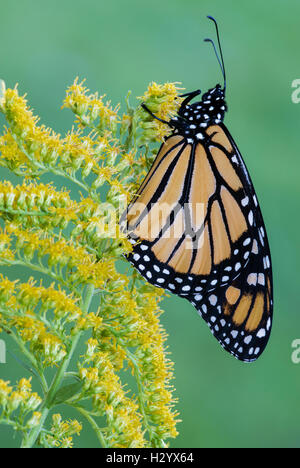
(22, 363)
(67, 392)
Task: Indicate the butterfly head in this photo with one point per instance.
(193, 119)
(213, 105)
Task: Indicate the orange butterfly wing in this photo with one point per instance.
(198, 231)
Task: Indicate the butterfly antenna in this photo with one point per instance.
(220, 60)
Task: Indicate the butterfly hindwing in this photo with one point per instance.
(239, 314)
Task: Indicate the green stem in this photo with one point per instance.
(70, 177)
(31, 359)
(44, 270)
(9, 422)
(88, 297)
(27, 213)
(94, 425)
(30, 440)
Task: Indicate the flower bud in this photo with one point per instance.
(98, 182)
(87, 169)
(33, 402)
(34, 421)
(14, 401)
(91, 347)
(112, 156)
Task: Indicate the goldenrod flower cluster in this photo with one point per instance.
(90, 108)
(18, 405)
(79, 286)
(61, 432)
(46, 207)
(162, 101)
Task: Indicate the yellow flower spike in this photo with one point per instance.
(59, 252)
(42, 144)
(53, 208)
(63, 305)
(110, 398)
(76, 245)
(90, 108)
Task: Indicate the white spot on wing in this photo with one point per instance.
(247, 241)
(213, 299)
(261, 279)
(261, 333)
(252, 279)
(245, 201)
(250, 218)
(255, 247)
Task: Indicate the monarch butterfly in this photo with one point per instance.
(197, 228)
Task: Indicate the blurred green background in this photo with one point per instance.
(120, 45)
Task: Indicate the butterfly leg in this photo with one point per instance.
(189, 97)
(155, 117)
